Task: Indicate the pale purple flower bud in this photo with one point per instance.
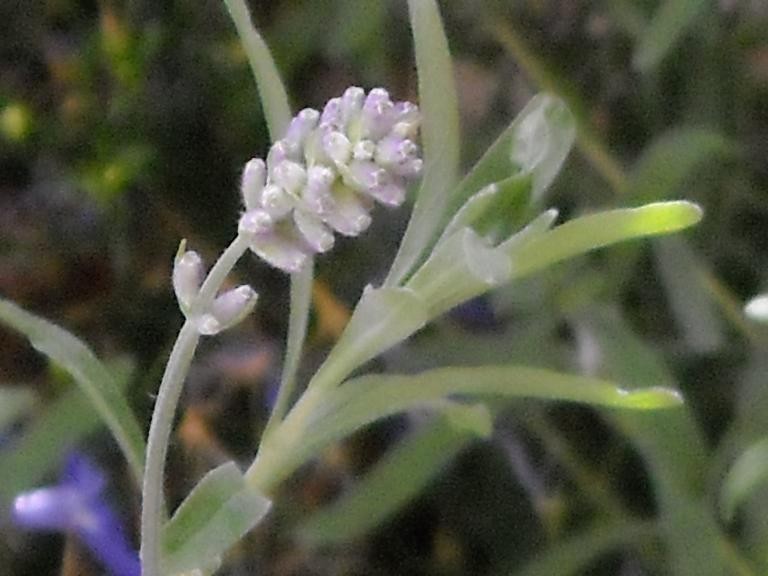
(363, 175)
(233, 306)
(406, 119)
(317, 194)
(331, 115)
(399, 155)
(390, 193)
(337, 147)
(301, 126)
(187, 278)
(351, 104)
(276, 201)
(281, 251)
(290, 175)
(278, 153)
(317, 235)
(377, 115)
(254, 178)
(255, 222)
(351, 215)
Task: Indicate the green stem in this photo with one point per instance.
(152, 511)
(301, 297)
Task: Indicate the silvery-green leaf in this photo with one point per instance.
(461, 267)
(363, 400)
(217, 513)
(274, 98)
(439, 136)
(95, 379)
(494, 209)
(513, 152)
(599, 230)
(382, 318)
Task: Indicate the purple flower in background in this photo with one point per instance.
(77, 505)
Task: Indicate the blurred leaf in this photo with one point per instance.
(274, 98)
(439, 136)
(673, 157)
(573, 555)
(693, 308)
(15, 402)
(95, 379)
(672, 447)
(217, 513)
(55, 430)
(602, 229)
(397, 479)
(536, 143)
(747, 474)
(667, 27)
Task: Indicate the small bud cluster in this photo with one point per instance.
(326, 174)
(226, 310)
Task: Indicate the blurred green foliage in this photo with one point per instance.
(123, 126)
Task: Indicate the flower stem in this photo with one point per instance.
(165, 407)
(301, 296)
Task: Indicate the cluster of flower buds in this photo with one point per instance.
(326, 174)
(226, 310)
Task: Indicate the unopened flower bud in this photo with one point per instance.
(351, 215)
(301, 126)
(254, 178)
(187, 278)
(377, 115)
(255, 222)
(351, 104)
(290, 175)
(337, 147)
(331, 115)
(316, 234)
(233, 306)
(317, 194)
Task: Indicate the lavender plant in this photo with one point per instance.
(324, 175)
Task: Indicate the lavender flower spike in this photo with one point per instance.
(327, 173)
(77, 505)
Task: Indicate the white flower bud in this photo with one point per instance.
(255, 222)
(233, 305)
(290, 175)
(390, 193)
(317, 194)
(337, 147)
(254, 178)
(351, 215)
(331, 115)
(364, 150)
(301, 126)
(364, 175)
(377, 115)
(276, 202)
(281, 251)
(314, 232)
(351, 104)
(187, 278)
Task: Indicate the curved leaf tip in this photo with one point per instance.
(651, 398)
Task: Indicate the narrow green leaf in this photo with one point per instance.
(439, 135)
(15, 402)
(56, 429)
(274, 98)
(94, 378)
(667, 27)
(667, 162)
(573, 555)
(382, 318)
(747, 474)
(363, 400)
(694, 310)
(672, 447)
(216, 514)
(602, 229)
(536, 142)
(398, 478)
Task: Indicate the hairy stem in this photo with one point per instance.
(152, 511)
